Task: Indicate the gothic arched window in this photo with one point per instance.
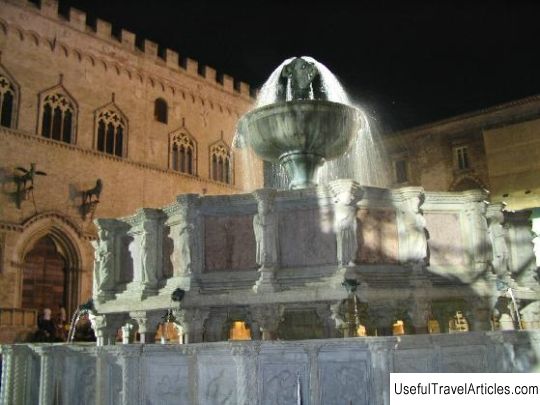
(111, 131)
(160, 110)
(183, 153)
(58, 115)
(220, 163)
(8, 101)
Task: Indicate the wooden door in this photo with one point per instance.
(44, 277)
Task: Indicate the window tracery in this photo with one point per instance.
(111, 128)
(183, 153)
(220, 163)
(58, 116)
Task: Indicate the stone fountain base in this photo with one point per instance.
(329, 371)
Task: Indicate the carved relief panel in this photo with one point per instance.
(229, 243)
(445, 240)
(377, 236)
(306, 238)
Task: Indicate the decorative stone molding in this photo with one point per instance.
(265, 227)
(346, 194)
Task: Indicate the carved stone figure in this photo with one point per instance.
(184, 247)
(415, 229)
(147, 249)
(300, 80)
(497, 235)
(477, 219)
(264, 227)
(346, 195)
(104, 264)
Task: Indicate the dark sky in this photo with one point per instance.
(408, 62)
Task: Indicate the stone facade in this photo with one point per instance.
(333, 371)
(86, 72)
(496, 149)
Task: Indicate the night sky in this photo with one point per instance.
(407, 62)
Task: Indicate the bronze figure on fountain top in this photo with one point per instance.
(300, 80)
(301, 128)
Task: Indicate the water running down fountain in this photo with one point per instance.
(305, 129)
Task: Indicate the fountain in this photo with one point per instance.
(312, 263)
(301, 129)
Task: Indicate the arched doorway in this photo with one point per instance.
(44, 277)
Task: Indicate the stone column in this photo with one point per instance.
(8, 376)
(192, 321)
(478, 313)
(265, 227)
(419, 306)
(268, 317)
(245, 358)
(46, 376)
(346, 194)
(147, 322)
(419, 311)
(127, 333)
(382, 316)
(106, 326)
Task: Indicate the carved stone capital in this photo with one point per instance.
(268, 317)
(192, 321)
(147, 324)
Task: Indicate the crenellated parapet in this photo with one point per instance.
(148, 51)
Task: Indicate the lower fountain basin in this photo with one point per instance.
(301, 135)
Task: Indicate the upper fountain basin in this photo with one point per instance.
(313, 127)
